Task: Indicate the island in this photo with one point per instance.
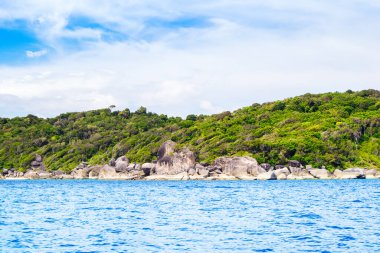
(313, 136)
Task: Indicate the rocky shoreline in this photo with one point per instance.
(181, 165)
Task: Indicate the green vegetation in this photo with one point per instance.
(332, 129)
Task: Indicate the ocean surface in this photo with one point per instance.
(190, 216)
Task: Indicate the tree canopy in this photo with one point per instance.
(337, 130)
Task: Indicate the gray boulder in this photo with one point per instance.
(281, 176)
(372, 174)
(204, 172)
(112, 162)
(294, 163)
(121, 164)
(192, 172)
(30, 174)
(148, 168)
(170, 163)
(320, 173)
(240, 167)
(38, 158)
(300, 174)
(266, 166)
(352, 173)
(166, 149)
(94, 171)
(44, 175)
(270, 175)
(108, 172)
(284, 171)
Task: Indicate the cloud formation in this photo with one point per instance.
(180, 57)
(36, 54)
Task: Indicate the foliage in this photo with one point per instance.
(333, 129)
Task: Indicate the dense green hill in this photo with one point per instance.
(332, 129)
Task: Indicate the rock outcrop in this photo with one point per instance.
(320, 173)
(121, 164)
(270, 175)
(173, 163)
(108, 172)
(353, 173)
(298, 173)
(81, 171)
(166, 149)
(282, 173)
(37, 163)
(239, 167)
(372, 174)
(148, 168)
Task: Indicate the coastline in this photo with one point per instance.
(181, 165)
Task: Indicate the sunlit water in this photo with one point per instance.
(190, 216)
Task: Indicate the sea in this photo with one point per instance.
(189, 216)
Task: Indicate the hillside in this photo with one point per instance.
(333, 129)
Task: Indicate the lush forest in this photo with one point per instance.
(337, 130)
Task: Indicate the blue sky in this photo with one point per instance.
(181, 57)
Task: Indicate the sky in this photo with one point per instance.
(181, 57)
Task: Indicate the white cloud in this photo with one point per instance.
(36, 54)
(253, 51)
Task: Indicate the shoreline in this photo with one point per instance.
(163, 180)
(181, 165)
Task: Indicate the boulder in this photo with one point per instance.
(66, 176)
(137, 167)
(320, 173)
(300, 175)
(278, 167)
(112, 162)
(283, 170)
(38, 163)
(121, 164)
(192, 172)
(57, 173)
(204, 172)
(94, 172)
(282, 176)
(35, 164)
(38, 158)
(108, 172)
(295, 170)
(148, 168)
(30, 174)
(372, 174)
(174, 163)
(294, 163)
(166, 149)
(266, 166)
(44, 175)
(239, 166)
(81, 172)
(270, 175)
(180, 176)
(352, 173)
(337, 173)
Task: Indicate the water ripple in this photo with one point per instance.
(194, 216)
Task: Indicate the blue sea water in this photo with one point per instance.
(190, 216)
